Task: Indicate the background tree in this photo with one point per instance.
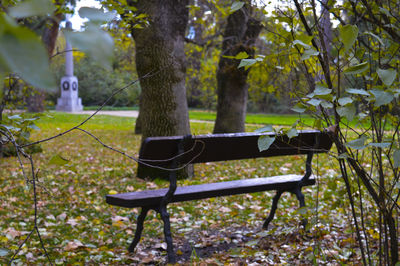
(239, 36)
(160, 52)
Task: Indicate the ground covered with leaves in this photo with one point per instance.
(77, 226)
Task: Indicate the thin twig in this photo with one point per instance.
(144, 161)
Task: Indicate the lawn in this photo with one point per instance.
(265, 119)
(78, 227)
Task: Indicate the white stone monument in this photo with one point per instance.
(69, 100)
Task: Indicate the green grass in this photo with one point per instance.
(264, 119)
(65, 121)
(251, 118)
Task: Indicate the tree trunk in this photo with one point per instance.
(138, 124)
(50, 33)
(240, 35)
(160, 52)
(36, 99)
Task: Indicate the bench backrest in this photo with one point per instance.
(233, 146)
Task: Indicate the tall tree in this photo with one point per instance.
(240, 34)
(36, 99)
(160, 53)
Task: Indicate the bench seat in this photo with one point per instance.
(203, 191)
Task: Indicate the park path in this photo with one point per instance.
(131, 113)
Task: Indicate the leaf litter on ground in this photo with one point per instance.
(80, 228)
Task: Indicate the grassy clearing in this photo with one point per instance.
(264, 119)
(78, 227)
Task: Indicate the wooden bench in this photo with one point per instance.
(173, 152)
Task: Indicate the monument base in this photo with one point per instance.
(69, 100)
(69, 105)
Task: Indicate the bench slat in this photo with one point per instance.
(194, 192)
(237, 146)
(223, 147)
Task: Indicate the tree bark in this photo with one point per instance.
(160, 52)
(240, 35)
(36, 99)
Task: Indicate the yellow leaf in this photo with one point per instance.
(112, 192)
(118, 223)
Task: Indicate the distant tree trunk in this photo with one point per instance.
(160, 50)
(194, 61)
(50, 33)
(240, 35)
(36, 100)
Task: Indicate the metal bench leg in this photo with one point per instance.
(167, 234)
(300, 198)
(139, 228)
(273, 208)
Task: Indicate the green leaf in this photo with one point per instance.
(382, 97)
(347, 111)
(241, 55)
(94, 14)
(318, 124)
(4, 252)
(379, 145)
(308, 53)
(299, 108)
(95, 42)
(387, 75)
(23, 53)
(302, 210)
(375, 36)
(345, 100)
(58, 160)
(321, 90)
(267, 128)
(236, 6)
(348, 35)
(284, 19)
(11, 128)
(32, 8)
(298, 42)
(264, 142)
(357, 69)
(14, 117)
(357, 144)
(247, 62)
(314, 102)
(292, 133)
(385, 11)
(326, 104)
(358, 91)
(34, 127)
(396, 158)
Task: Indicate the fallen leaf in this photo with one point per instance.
(224, 209)
(72, 245)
